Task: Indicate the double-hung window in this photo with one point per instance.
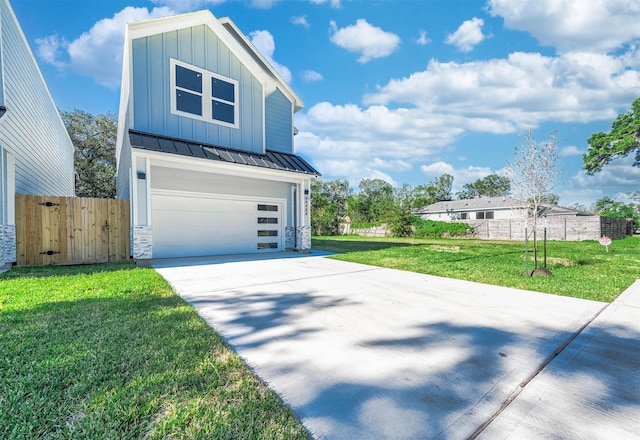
(199, 94)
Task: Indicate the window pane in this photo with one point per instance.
(188, 79)
(188, 102)
(463, 216)
(267, 220)
(267, 233)
(273, 208)
(267, 245)
(223, 90)
(223, 112)
(489, 214)
(479, 215)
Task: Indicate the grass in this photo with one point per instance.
(110, 351)
(580, 269)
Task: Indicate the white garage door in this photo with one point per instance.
(187, 226)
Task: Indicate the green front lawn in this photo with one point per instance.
(580, 269)
(110, 351)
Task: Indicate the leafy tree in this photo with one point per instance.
(328, 205)
(532, 174)
(623, 139)
(94, 141)
(373, 202)
(439, 190)
(490, 186)
(608, 207)
(399, 219)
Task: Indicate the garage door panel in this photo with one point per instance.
(199, 226)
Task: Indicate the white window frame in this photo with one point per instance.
(207, 95)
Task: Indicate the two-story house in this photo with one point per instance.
(36, 154)
(205, 143)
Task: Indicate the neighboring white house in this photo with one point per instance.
(36, 154)
(487, 208)
(205, 143)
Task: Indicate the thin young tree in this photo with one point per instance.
(532, 173)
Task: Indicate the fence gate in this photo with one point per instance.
(70, 230)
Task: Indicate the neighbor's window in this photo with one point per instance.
(488, 214)
(200, 94)
(480, 215)
(463, 215)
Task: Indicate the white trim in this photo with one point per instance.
(206, 95)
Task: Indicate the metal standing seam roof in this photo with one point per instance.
(274, 160)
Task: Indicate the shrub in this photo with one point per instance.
(435, 229)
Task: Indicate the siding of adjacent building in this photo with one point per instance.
(279, 122)
(200, 47)
(31, 128)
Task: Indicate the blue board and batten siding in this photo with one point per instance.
(31, 129)
(200, 47)
(279, 122)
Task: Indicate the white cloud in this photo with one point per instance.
(334, 3)
(423, 40)
(461, 176)
(370, 41)
(264, 42)
(187, 5)
(521, 91)
(618, 176)
(468, 35)
(571, 150)
(570, 25)
(310, 76)
(301, 20)
(50, 49)
(264, 4)
(96, 53)
(392, 165)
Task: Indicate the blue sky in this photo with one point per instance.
(402, 90)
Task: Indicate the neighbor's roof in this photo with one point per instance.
(492, 203)
(472, 205)
(274, 160)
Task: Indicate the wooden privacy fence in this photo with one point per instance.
(70, 230)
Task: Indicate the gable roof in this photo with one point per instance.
(274, 160)
(492, 203)
(476, 204)
(230, 35)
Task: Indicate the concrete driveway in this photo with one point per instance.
(361, 352)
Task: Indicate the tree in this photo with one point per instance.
(373, 202)
(439, 190)
(532, 174)
(399, 219)
(490, 186)
(623, 139)
(608, 207)
(94, 141)
(328, 205)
